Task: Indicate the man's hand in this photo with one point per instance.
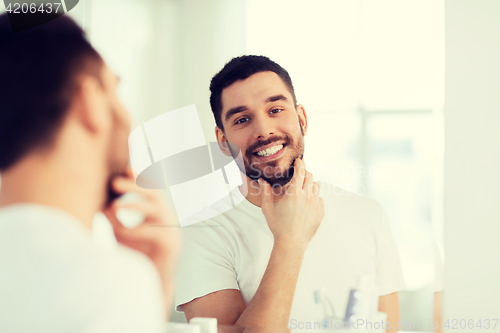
(295, 218)
(157, 237)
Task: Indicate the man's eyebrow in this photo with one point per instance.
(276, 98)
(232, 111)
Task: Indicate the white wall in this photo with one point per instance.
(193, 39)
(210, 34)
(472, 161)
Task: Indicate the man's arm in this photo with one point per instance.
(390, 305)
(271, 304)
(293, 222)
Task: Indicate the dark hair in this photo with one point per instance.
(38, 71)
(240, 68)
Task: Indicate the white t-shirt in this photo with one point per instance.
(232, 250)
(55, 278)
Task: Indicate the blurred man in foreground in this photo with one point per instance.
(63, 158)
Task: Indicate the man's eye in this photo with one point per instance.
(241, 121)
(275, 110)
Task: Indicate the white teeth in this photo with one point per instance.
(270, 151)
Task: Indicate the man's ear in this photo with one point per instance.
(301, 112)
(222, 141)
(89, 104)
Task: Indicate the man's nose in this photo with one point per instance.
(263, 127)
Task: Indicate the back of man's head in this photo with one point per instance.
(39, 68)
(241, 68)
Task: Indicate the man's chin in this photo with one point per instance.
(278, 181)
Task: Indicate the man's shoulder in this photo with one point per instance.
(59, 266)
(215, 214)
(215, 228)
(224, 213)
(222, 224)
(65, 247)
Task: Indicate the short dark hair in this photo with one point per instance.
(38, 71)
(240, 68)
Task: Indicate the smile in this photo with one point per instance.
(270, 151)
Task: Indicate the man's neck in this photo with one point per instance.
(54, 182)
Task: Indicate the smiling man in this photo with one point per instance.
(259, 263)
